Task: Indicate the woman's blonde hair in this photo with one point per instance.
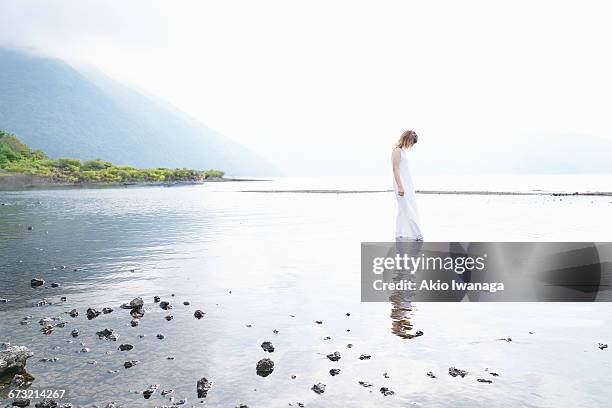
(407, 139)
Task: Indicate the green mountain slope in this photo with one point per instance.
(55, 108)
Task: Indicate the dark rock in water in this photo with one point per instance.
(55, 285)
(202, 387)
(334, 372)
(508, 340)
(494, 374)
(165, 305)
(92, 313)
(107, 310)
(47, 329)
(418, 333)
(13, 358)
(198, 314)
(135, 322)
(169, 317)
(349, 345)
(20, 402)
(267, 346)
(335, 356)
(150, 391)
(482, 380)
(74, 333)
(130, 364)
(385, 375)
(327, 338)
(431, 375)
(319, 322)
(73, 313)
(156, 299)
(137, 303)
(137, 313)
(170, 358)
(365, 384)
(63, 299)
(52, 404)
(48, 359)
(275, 331)
(125, 347)
(30, 228)
(166, 392)
(365, 357)
(111, 405)
(386, 392)
(186, 303)
(319, 388)
(455, 372)
(36, 282)
(602, 346)
(160, 336)
(242, 406)
(264, 367)
(84, 350)
(3, 300)
(108, 334)
(61, 325)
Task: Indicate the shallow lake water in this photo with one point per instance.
(281, 261)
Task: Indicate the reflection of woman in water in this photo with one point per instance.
(407, 224)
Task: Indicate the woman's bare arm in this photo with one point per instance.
(396, 172)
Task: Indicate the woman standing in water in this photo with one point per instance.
(407, 225)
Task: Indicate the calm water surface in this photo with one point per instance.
(281, 261)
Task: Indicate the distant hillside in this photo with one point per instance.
(55, 108)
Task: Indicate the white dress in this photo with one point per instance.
(407, 226)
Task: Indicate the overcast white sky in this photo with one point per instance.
(331, 84)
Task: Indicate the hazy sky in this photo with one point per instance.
(329, 85)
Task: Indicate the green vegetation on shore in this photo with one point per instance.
(16, 157)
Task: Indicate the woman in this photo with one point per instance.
(407, 224)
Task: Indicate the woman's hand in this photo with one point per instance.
(400, 191)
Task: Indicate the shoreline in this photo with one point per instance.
(18, 181)
(441, 192)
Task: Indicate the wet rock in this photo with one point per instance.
(137, 303)
(30, 228)
(483, 380)
(156, 299)
(13, 358)
(36, 282)
(386, 392)
(198, 314)
(431, 375)
(327, 338)
(55, 285)
(335, 356)
(202, 387)
(264, 367)
(349, 345)
(267, 346)
(365, 384)
(319, 322)
(348, 314)
(92, 362)
(170, 358)
(48, 359)
(135, 322)
(160, 336)
(61, 325)
(456, 372)
(63, 299)
(47, 329)
(111, 405)
(108, 334)
(319, 388)
(73, 313)
(130, 364)
(45, 321)
(166, 392)
(186, 303)
(107, 310)
(92, 313)
(125, 347)
(334, 372)
(293, 377)
(418, 333)
(169, 317)
(275, 331)
(385, 375)
(21, 402)
(165, 305)
(494, 374)
(18, 381)
(85, 350)
(3, 300)
(137, 313)
(507, 340)
(150, 391)
(74, 333)
(602, 346)
(365, 357)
